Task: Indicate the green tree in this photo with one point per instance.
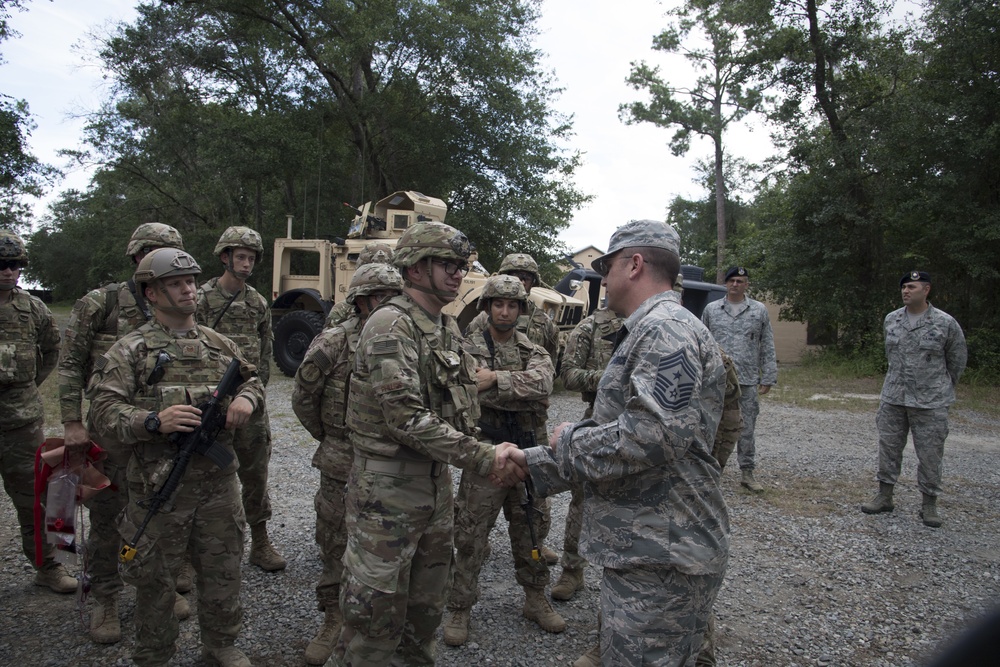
(709, 35)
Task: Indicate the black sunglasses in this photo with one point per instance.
(12, 264)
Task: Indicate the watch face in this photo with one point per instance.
(152, 423)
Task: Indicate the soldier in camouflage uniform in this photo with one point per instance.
(514, 379)
(143, 389)
(375, 252)
(29, 348)
(413, 411)
(230, 306)
(99, 319)
(540, 330)
(588, 349)
(320, 402)
(926, 351)
(743, 329)
(654, 516)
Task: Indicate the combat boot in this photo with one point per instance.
(748, 481)
(182, 608)
(570, 581)
(591, 658)
(262, 552)
(538, 609)
(456, 630)
(321, 647)
(185, 578)
(105, 628)
(928, 512)
(55, 576)
(227, 656)
(549, 556)
(882, 502)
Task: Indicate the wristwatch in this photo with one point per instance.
(152, 422)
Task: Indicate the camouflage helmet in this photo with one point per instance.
(372, 278)
(431, 239)
(12, 247)
(519, 261)
(165, 263)
(375, 252)
(502, 287)
(239, 237)
(153, 235)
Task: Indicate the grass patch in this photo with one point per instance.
(816, 496)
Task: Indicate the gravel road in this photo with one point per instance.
(811, 580)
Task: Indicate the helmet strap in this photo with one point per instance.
(173, 308)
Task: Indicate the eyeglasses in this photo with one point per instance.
(159, 370)
(603, 264)
(451, 268)
(12, 264)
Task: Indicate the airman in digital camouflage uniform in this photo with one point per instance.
(29, 348)
(514, 379)
(588, 349)
(375, 252)
(726, 436)
(99, 319)
(540, 330)
(927, 354)
(233, 308)
(743, 329)
(654, 516)
(320, 402)
(143, 389)
(413, 411)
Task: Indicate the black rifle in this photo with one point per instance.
(199, 441)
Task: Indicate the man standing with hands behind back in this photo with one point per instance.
(653, 516)
(743, 329)
(926, 351)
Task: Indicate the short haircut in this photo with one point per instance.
(663, 264)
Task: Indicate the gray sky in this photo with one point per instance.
(590, 43)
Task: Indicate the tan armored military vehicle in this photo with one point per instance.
(311, 275)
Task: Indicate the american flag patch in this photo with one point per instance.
(385, 347)
(674, 381)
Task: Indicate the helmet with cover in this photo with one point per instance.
(239, 237)
(153, 235)
(431, 239)
(12, 248)
(374, 278)
(517, 262)
(165, 263)
(502, 287)
(375, 252)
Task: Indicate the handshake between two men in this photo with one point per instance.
(510, 465)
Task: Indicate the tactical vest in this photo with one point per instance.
(448, 385)
(507, 357)
(333, 403)
(196, 365)
(239, 322)
(19, 354)
(122, 315)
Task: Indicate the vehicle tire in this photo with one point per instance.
(292, 335)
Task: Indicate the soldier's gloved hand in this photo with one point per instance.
(239, 413)
(179, 419)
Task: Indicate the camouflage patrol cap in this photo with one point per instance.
(375, 252)
(502, 287)
(431, 239)
(165, 263)
(12, 248)
(153, 235)
(519, 261)
(373, 278)
(239, 237)
(641, 233)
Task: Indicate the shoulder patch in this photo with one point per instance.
(674, 382)
(101, 363)
(385, 346)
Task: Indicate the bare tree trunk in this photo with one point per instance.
(720, 212)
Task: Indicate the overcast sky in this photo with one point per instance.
(590, 43)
